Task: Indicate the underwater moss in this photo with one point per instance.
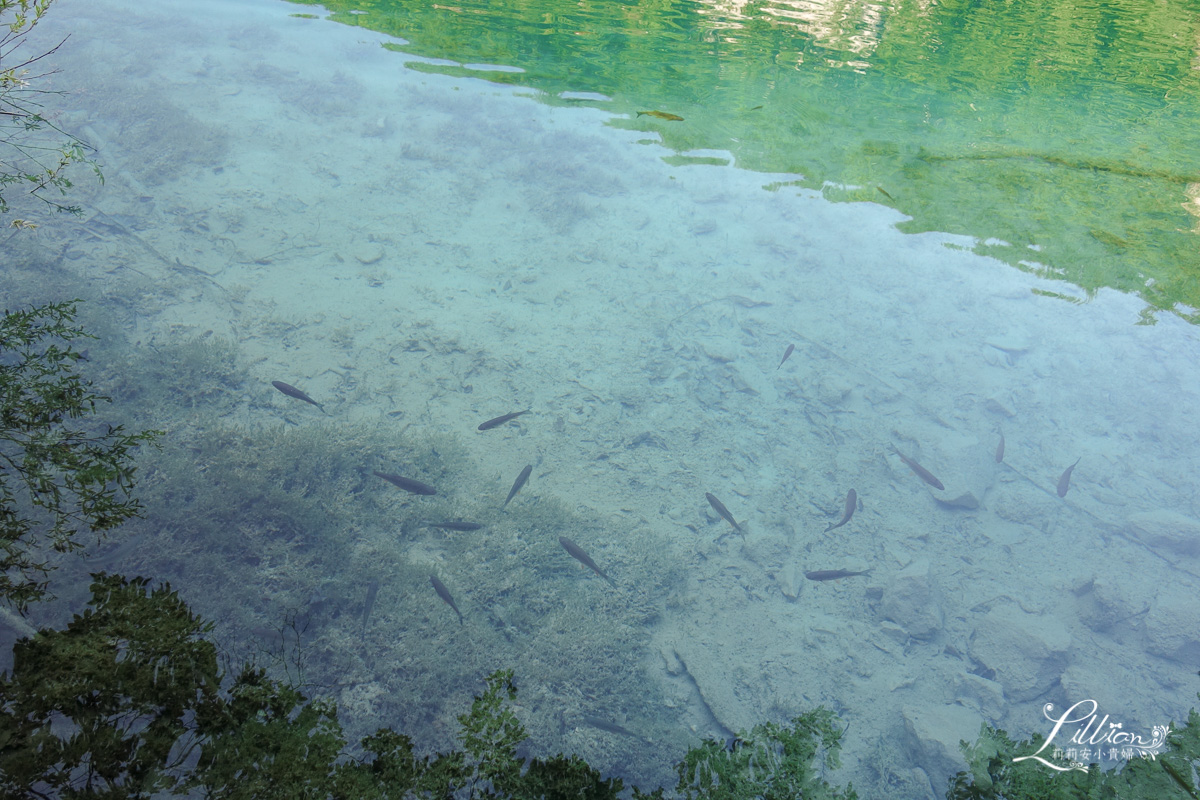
(293, 525)
(166, 381)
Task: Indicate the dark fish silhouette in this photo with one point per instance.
(833, 574)
(1064, 482)
(1000, 450)
(583, 558)
(661, 115)
(292, 391)
(851, 504)
(372, 590)
(787, 354)
(611, 727)
(454, 525)
(918, 470)
(444, 593)
(407, 484)
(520, 481)
(720, 508)
(492, 423)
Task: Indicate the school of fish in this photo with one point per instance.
(416, 487)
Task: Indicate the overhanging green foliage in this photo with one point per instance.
(128, 701)
(993, 775)
(58, 479)
(34, 153)
(773, 762)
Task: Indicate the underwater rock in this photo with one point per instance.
(368, 253)
(735, 379)
(790, 580)
(1104, 604)
(965, 500)
(1164, 530)
(1012, 348)
(671, 662)
(994, 406)
(1026, 652)
(932, 734)
(980, 695)
(766, 550)
(1172, 626)
(911, 601)
(893, 631)
(832, 390)
(1090, 681)
(719, 350)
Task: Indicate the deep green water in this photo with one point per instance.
(1064, 137)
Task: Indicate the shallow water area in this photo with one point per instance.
(424, 253)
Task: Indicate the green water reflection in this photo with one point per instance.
(1065, 135)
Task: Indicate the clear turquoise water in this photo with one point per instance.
(1069, 127)
(420, 249)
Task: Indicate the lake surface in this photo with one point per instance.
(1064, 139)
(952, 248)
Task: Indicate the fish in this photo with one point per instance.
(661, 115)
(611, 727)
(720, 508)
(407, 484)
(787, 354)
(1064, 482)
(920, 471)
(493, 423)
(583, 558)
(292, 391)
(518, 483)
(1000, 450)
(444, 593)
(833, 574)
(884, 192)
(454, 525)
(372, 590)
(851, 504)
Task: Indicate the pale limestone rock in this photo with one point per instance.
(966, 500)
(368, 253)
(719, 350)
(910, 601)
(1166, 531)
(933, 734)
(980, 695)
(790, 580)
(1173, 626)
(1105, 605)
(1027, 652)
